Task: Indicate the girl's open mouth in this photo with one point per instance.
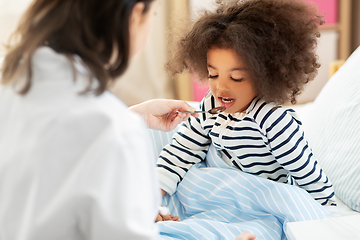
(226, 100)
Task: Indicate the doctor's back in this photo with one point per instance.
(70, 162)
(75, 163)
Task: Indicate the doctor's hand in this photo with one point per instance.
(161, 114)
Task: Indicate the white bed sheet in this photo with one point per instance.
(341, 223)
(342, 210)
(329, 228)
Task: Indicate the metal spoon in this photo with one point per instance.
(211, 111)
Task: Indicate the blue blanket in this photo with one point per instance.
(215, 201)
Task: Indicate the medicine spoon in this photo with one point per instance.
(211, 111)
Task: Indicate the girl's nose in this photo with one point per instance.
(221, 84)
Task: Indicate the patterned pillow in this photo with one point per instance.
(332, 127)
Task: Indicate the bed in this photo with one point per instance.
(217, 202)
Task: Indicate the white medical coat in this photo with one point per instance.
(73, 166)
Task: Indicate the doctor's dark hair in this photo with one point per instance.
(91, 29)
(276, 39)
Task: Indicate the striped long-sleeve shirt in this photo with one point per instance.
(266, 141)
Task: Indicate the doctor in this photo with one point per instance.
(75, 163)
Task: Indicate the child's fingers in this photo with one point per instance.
(159, 218)
(246, 236)
(166, 217)
(174, 218)
(169, 218)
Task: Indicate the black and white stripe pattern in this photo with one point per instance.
(267, 141)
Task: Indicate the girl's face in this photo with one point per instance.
(229, 80)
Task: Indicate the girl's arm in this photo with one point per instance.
(292, 151)
(188, 147)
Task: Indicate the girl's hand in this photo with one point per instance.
(169, 217)
(161, 114)
(164, 215)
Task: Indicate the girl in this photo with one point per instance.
(255, 55)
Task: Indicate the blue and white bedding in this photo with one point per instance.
(215, 201)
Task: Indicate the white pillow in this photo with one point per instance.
(332, 127)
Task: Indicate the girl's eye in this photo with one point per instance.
(213, 76)
(237, 80)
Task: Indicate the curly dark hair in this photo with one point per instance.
(277, 39)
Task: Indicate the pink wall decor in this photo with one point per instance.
(329, 8)
(199, 89)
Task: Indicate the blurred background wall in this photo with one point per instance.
(10, 12)
(147, 79)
